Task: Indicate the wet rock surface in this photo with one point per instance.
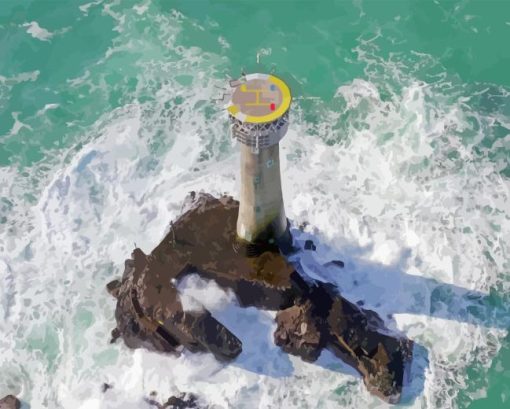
(311, 315)
(10, 402)
(300, 332)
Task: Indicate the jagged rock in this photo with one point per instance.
(299, 333)
(10, 402)
(356, 337)
(313, 316)
(325, 319)
(166, 326)
(113, 288)
(115, 335)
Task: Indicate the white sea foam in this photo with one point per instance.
(46, 108)
(223, 42)
(84, 8)
(36, 31)
(414, 227)
(141, 9)
(211, 296)
(22, 77)
(18, 125)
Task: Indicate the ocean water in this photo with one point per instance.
(397, 156)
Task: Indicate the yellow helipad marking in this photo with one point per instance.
(257, 97)
(280, 108)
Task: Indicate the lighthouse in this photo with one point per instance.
(259, 115)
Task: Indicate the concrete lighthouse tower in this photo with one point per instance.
(259, 112)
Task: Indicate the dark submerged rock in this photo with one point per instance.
(337, 263)
(309, 245)
(105, 387)
(183, 401)
(10, 402)
(312, 315)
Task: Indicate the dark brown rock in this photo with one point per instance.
(166, 326)
(113, 288)
(10, 402)
(356, 337)
(299, 332)
(313, 315)
(115, 335)
(325, 319)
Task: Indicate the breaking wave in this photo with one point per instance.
(397, 176)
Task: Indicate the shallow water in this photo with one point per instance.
(397, 157)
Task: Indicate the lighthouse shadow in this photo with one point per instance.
(388, 290)
(255, 328)
(260, 355)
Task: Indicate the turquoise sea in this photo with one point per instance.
(399, 148)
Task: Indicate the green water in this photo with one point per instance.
(314, 45)
(468, 39)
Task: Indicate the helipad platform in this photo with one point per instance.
(261, 98)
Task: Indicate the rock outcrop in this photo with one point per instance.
(312, 316)
(10, 402)
(300, 331)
